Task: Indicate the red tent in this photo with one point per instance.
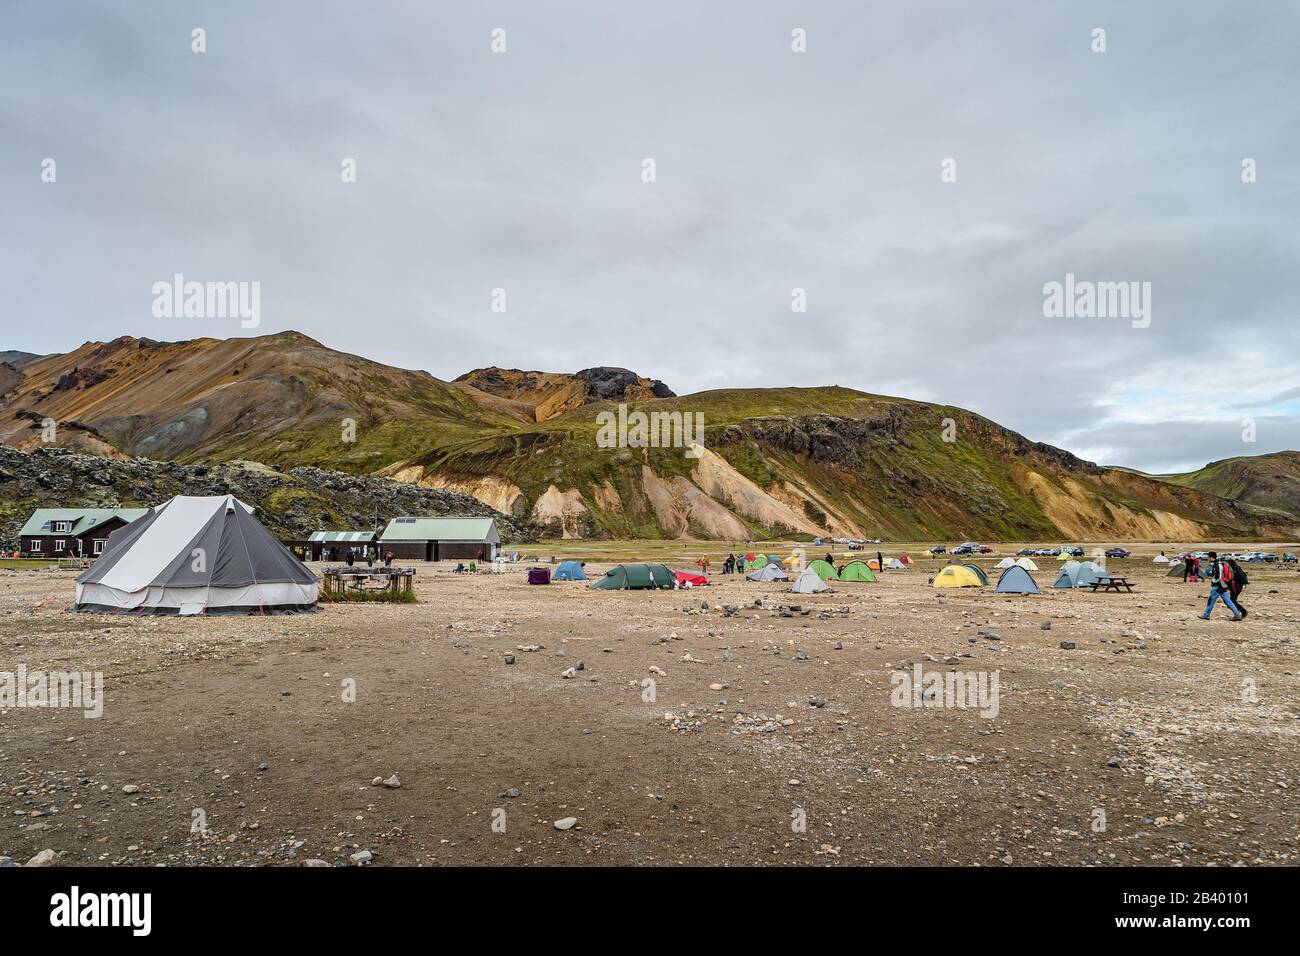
(905, 559)
(694, 580)
(749, 557)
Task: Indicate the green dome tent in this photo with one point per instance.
(856, 571)
(979, 573)
(636, 577)
(757, 560)
(823, 570)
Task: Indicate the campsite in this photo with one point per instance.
(490, 694)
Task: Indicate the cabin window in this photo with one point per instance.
(99, 545)
(36, 544)
(58, 544)
(62, 527)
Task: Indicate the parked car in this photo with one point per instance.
(1290, 558)
(1118, 552)
(937, 549)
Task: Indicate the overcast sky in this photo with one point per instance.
(775, 170)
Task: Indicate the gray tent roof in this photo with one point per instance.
(769, 572)
(208, 541)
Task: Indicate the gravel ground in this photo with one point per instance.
(771, 738)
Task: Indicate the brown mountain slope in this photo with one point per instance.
(773, 462)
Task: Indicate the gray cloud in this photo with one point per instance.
(775, 171)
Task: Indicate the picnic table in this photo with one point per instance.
(1105, 583)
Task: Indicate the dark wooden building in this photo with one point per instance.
(73, 532)
(335, 545)
(441, 539)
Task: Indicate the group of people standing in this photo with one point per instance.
(370, 558)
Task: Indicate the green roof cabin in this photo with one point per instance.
(73, 532)
(441, 539)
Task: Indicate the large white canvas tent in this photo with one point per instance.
(196, 555)
(1004, 564)
(808, 583)
(1026, 564)
(1159, 559)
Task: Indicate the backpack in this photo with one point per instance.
(1242, 579)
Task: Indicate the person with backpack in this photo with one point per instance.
(1220, 584)
(1239, 581)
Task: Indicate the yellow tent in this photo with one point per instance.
(1065, 556)
(956, 576)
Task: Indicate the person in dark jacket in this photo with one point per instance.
(350, 557)
(1219, 588)
(1235, 586)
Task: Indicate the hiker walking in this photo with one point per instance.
(1235, 586)
(350, 557)
(1220, 584)
(880, 562)
(388, 559)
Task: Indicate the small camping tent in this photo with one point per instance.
(1176, 569)
(570, 571)
(757, 560)
(773, 559)
(956, 576)
(896, 565)
(856, 571)
(823, 570)
(1026, 564)
(1159, 559)
(196, 555)
(905, 559)
(1078, 575)
(809, 583)
(1065, 556)
(768, 572)
(636, 577)
(1016, 580)
(976, 570)
(688, 579)
(1004, 564)
(539, 575)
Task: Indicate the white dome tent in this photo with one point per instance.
(196, 555)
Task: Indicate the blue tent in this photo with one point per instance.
(1078, 575)
(569, 571)
(1016, 580)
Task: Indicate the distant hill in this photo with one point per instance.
(773, 462)
(1267, 481)
(17, 359)
(543, 395)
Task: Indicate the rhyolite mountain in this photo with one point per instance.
(774, 462)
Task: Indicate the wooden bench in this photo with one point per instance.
(1111, 584)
